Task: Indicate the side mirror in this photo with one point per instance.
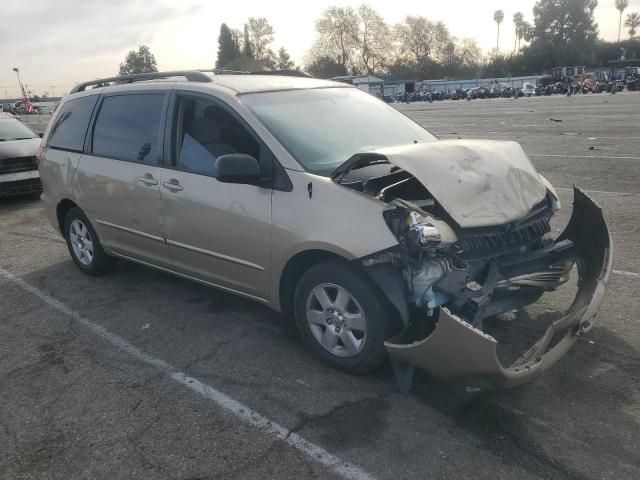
(41, 135)
(237, 168)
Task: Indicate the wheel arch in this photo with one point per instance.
(384, 282)
(293, 270)
(62, 209)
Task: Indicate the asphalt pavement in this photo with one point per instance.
(142, 375)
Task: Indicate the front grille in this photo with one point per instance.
(19, 187)
(474, 242)
(16, 165)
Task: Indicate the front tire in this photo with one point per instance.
(342, 317)
(84, 245)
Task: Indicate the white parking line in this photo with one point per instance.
(626, 274)
(581, 156)
(315, 452)
(598, 191)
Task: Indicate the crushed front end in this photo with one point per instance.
(457, 278)
(475, 246)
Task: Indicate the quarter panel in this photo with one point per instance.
(57, 174)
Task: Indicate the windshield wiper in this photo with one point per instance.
(359, 160)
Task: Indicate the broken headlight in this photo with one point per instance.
(425, 235)
(428, 232)
(555, 198)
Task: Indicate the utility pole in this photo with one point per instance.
(53, 90)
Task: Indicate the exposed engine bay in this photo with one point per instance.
(457, 273)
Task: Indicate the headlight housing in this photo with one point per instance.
(555, 198)
(429, 232)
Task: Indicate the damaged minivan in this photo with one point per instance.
(327, 204)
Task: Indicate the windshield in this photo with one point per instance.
(322, 128)
(12, 129)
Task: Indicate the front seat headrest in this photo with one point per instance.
(204, 130)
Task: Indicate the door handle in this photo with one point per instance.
(172, 185)
(148, 180)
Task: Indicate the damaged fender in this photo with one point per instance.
(458, 352)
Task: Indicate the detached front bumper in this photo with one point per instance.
(458, 352)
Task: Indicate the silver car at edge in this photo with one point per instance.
(330, 206)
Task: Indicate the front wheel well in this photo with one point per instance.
(61, 212)
(293, 270)
(302, 261)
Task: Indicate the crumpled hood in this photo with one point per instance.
(478, 182)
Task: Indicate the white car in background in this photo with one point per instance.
(529, 89)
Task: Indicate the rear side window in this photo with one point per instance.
(71, 124)
(128, 128)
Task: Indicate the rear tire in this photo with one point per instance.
(84, 245)
(342, 317)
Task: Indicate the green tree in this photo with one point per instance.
(564, 33)
(247, 49)
(498, 17)
(422, 41)
(337, 36)
(228, 49)
(326, 67)
(140, 61)
(621, 6)
(373, 39)
(284, 61)
(632, 23)
(518, 21)
(260, 34)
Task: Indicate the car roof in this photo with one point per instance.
(266, 83)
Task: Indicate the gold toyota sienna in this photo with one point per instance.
(324, 203)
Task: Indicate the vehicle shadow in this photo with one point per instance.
(18, 202)
(579, 411)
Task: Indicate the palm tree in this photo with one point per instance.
(621, 5)
(498, 17)
(632, 22)
(518, 19)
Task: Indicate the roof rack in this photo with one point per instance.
(190, 75)
(289, 72)
(286, 72)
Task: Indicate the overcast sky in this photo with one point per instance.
(60, 42)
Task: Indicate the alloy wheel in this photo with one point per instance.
(336, 319)
(81, 242)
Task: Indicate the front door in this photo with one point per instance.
(120, 178)
(216, 232)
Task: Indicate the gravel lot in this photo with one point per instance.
(138, 374)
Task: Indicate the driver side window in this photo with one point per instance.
(205, 131)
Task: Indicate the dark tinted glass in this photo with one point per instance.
(207, 131)
(71, 124)
(128, 126)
